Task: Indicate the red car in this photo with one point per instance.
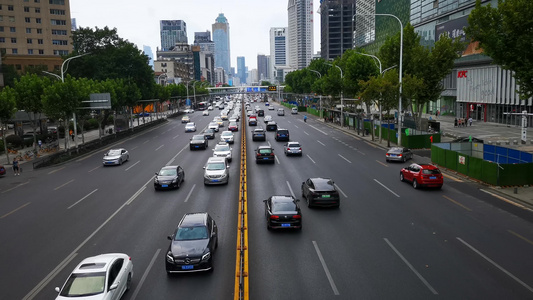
(2, 170)
(233, 126)
(422, 175)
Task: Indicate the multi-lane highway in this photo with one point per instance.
(386, 241)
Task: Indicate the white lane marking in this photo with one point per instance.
(321, 143)
(362, 153)
(306, 133)
(53, 171)
(190, 193)
(159, 147)
(411, 267)
(496, 265)
(16, 209)
(296, 126)
(132, 165)
(276, 158)
(345, 158)
(147, 141)
(311, 159)
(318, 129)
(325, 267)
(175, 137)
(134, 148)
(49, 277)
(93, 169)
(145, 274)
(290, 189)
(173, 158)
(387, 188)
(18, 185)
(57, 188)
(82, 199)
(141, 189)
(338, 188)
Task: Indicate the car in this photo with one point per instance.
(294, 110)
(267, 104)
(271, 107)
(213, 125)
(292, 148)
(222, 149)
(272, 126)
(422, 175)
(398, 154)
(198, 141)
(260, 113)
(185, 119)
(234, 118)
(320, 191)
(219, 121)
(190, 127)
(283, 212)
(2, 170)
(205, 113)
(105, 276)
(252, 121)
(169, 177)
(281, 112)
(52, 129)
(267, 118)
(258, 134)
(216, 171)
(192, 245)
(264, 154)
(209, 133)
(144, 114)
(188, 111)
(466, 139)
(210, 107)
(282, 134)
(224, 116)
(249, 113)
(233, 126)
(115, 157)
(227, 136)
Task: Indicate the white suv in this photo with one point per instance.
(216, 171)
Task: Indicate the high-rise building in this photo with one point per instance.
(336, 26)
(262, 68)
(177, 63)
(35, 34)
(172, 32)
(279, 52)
(365, 23)
(203, 39)
(148, 52)
(300, 17)
(222, 44)
(241, 69)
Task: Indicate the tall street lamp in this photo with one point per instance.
(342, 94)
(401, 68)
(320, 96)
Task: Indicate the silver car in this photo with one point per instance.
(222, 149)
(398, 154)
(216, 171)
(227, 136)
(214, 125)
(115, 157)
(293, 148)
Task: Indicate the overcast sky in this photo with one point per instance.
(138, 21)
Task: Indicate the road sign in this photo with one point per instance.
(272, 88)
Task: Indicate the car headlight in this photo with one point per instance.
(223, 175)
(206, 256)
(175, 179)
(156, 181)
(169, 256)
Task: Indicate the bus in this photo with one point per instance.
(202, 106)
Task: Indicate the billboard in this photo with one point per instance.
(455, 29)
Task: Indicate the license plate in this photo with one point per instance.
(283, 135)
(188, 267)
(432, 177)
(326, 196)
(164, 185)
(196, 146)
(215, 180)
(265, 157)
(285, 225)
(393, 155)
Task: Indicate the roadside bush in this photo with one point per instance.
(14, 141)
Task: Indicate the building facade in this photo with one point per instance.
(262, 68)
(148, 52)
(172, 32)
(222, 43)
(241, 69)
(279, 52)
(203, 39)
(365, 23)
(177, 63)
(300, 33)
(35, 34)
(220, 76)
(336, 27)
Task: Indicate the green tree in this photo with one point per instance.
(505, 33)
(7, 109)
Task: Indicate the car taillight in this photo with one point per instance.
(274, 217)
(258, 154)
(300, 148)
(296, 217)
(399, 155)
(387, 154)
(288, 149)
(271, 153)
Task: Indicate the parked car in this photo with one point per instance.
(169, 177)
(216, 171)
(115, 157)
(320, 192)
(264, 154)
(144, 114)
(198, 141)
(398, 154)
(272, 126)
(105, 276)
(282, 134)
(283, 212)
(292, 148)
(190, 127)
(422, 175)
(192, 244)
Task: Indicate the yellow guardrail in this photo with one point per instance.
(241, 258)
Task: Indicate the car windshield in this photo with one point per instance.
(191, 233)
(430, 172)
(215, 166)
(283, 206)
(113, 152)
(190, 125)
(221, 148)
(265, 151)
(167, 172)
(83, 285)
(258, 131)
(395, 149)
(293, 145)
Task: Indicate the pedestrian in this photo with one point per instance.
(470, 121)
(437, 114)
(16, 168)
(71, 132)
(455, 123)
(40, 144)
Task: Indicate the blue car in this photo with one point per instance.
(144, 114)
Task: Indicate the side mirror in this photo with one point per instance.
(114, 286)
(227, 167)
(170, 237)
(204, 168)
(156, 174)
(57, 289)
(265, 201)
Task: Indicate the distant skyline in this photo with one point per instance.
(138, 21)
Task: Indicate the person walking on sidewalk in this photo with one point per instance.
(455, 123)
(16, 168)
(470, 121)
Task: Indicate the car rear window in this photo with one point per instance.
(283, 206)
(324, 185)
(430, 172)
(265, 151)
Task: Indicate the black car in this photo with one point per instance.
(209, 133)
(198, 141)
(272, 126)
(192, 245)
(260, 113)
(169, 177)
(320, 192)
(283, 212)
(398, 154)
(282, 134)
(265, 154)
(258, 134)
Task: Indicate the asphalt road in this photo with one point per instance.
(386, 241)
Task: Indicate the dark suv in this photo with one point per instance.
(282, 134)
(258, 134)
(320, 192)
(265, 154)
(192, 244)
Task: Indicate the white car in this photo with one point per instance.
(270, 107)
(190, 127)
(227, 136)
(267, 118)
(205, 113)
(105, 276)
(222, 149)
(115, 157)
(210, 107)
(214, 125)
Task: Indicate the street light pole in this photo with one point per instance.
(320, 96)
(401, 69)
(342, 94)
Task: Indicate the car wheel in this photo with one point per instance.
(415, 184)
(128, 283)
(403, 159)
(386, 160)
(401, 177)
(120, 162)
(178, 184)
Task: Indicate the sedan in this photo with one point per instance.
(267, 118)
(258, 134)
(116, 157)
(271, 107)
(198, 141)
(209, 133)
(105, 276)
(320, 192)
(422, 175)
(213, 125)
(233, 126)
(264, 154)
(222, 149)
(272, 126)
(292, 148)
(190, 127)
(398, 154)
(169, 177)
(205, 113)
(283, 212)
(185, 119)
(227, 136)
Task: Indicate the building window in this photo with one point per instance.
(27, 20)
(10, 7)
(26, 9)
(30, 51)
(38, 10)
(11, 18)
(18, 67)
(2, 40)
(60, 52)
(59, 42)
(29, 41)
(41, 51)
(40, 41)
(37, 1)
(13, 40)
(0, 6)
(59, 32)
(38, 20)
(1, 18)
(14, 51)
(39, 30)
(1, 28)
(28, 30)
(60, 12)
(58, 22)
(58, 2)
(12, 29)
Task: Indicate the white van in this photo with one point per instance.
(294, 110)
